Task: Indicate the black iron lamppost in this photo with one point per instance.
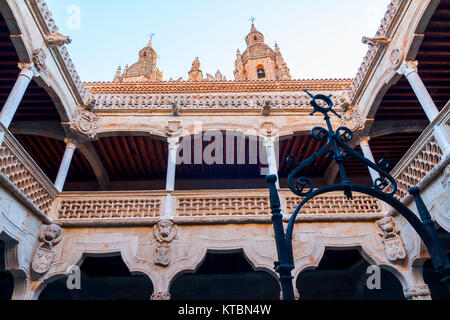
(303, 187)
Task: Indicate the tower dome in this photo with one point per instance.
(144, 70)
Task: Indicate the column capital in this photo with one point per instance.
(71, 143)
(408, 67)
(174, 142)
(28, 70)
(364, 140)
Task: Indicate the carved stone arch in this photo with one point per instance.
(78, 257)
(320, 244)
(385, 82)
(15, 258)
(47, 83)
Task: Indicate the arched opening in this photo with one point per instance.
(342, 275)
(221, 159)
(6, 279)
(102, 278)
(261, 72)
(225, 276)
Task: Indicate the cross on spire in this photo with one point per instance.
(151, 35)
(252, 19)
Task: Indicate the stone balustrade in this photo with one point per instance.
(201, 206)
(424, 160)
(21, 171)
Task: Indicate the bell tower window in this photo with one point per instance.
(261, 72)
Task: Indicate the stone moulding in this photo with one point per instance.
(185, 87)
(48, 26)
(394, 8)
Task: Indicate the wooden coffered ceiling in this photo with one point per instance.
(400, 102)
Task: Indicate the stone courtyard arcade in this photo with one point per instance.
(99, 161)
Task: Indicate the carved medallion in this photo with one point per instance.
(396, 58)
(84, 122)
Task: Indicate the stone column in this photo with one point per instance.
(174, 144)
(409, 69)
(365, 147)
(65, 164)
(15, 97)
(269, 144)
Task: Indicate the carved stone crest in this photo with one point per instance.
(173, 128)
(84, 122)
(352, 119)
(165, 231)
(38, 58)
(162, 255)
(49, 236)
(392, 241)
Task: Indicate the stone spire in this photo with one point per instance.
(196, 74)
(118, 76)
(283, 71)
(239, 68)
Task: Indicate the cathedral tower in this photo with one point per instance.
(145, 70)
(259, 61)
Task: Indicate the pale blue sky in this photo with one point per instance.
(318, 38)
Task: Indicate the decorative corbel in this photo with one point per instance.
(57, 40)
(38, 58)
(376, 42)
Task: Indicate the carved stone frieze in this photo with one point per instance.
(264, 103)
(49, 236)
(392, 241)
